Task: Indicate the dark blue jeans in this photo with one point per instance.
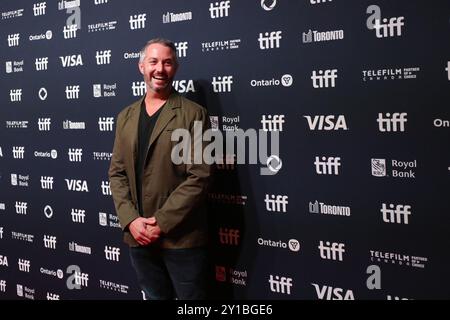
(166, 274)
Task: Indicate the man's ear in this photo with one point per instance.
(141, 67)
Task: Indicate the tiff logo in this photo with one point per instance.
(181, 48)
(103, 57)
(229, 236)
(47, 183)
(389, 28)
(396, 214)
(272, 123)
(333, 251)
(41, 63)
(49, 242)
(21, 207)
(81, 278)
(219, 9)
(1, 232)
(18, 152)
(70, 31)
(112, 253)
(324, 79)
(13, 39)
(137, 21)
(106, 190)
(269, 40)
(39, 8)
(3, 285)
(222, 84)
(276, 203)
(44, 124)
(97, 2)
(392, 122)
(52, 296)
(328, 165)
(15, 95)
(75, 154)
(24, 265)
(319, 1)
(105, 123)
(72, 92)
(78, 215)
(138, 88)
(280, 284)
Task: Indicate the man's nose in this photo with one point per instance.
(159, 67)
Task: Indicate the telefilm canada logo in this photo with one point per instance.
(386, 74)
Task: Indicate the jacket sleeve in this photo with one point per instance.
(119, 182)
(192, 191)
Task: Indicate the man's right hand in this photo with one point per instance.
(138, 229)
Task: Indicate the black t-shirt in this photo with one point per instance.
(146, 126)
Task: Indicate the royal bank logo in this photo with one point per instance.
(384, 27)
(272, 122)
(397, 169)
(171, 17)
(137, 21)
(39, 8)
(236, 277)
(20, 180)
(229, 123)
(13, 39)
(269, 40)
(2, 206)
(14, 66)
(405, 73)
(138, 88)
(25, 292)
(398, 259)
(292, 244)
(108, 220)
(322, 36)
(41, 63)
(16, 124)
(221, 45)
(104, 90)
(1, 152)
(12, 14)
(324, 78)
(219, 9)
(286, 80)
(102, 26)
(280, 284)
(317, 207)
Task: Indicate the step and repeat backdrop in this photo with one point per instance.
(353, 205)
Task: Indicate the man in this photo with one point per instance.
(160, 205)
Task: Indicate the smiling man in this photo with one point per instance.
(160, 205)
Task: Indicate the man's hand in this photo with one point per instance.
(144, 230)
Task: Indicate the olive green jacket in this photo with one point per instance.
(173, 194)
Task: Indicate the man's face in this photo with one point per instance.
(158, 68)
